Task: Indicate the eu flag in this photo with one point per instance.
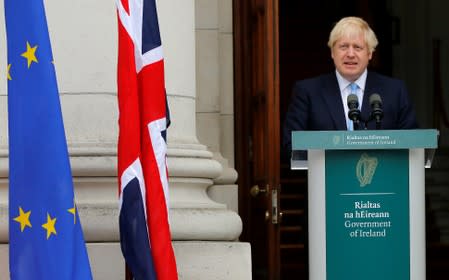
(45, 235)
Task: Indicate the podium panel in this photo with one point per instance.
(366, 205)
(367, 210)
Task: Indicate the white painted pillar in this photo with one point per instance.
(194, 216)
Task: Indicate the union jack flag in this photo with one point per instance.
(143, 118)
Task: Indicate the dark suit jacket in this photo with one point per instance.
(316, 104)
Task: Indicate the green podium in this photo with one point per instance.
(366, 202)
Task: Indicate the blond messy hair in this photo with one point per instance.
(353, 26)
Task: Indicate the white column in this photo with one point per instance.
(192, 169)
(205, 232)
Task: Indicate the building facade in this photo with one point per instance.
(197, 39)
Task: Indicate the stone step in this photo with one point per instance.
(437, 176)
(438, 189)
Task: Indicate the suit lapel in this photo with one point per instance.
(333, 101)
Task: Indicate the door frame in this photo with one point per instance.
(257, 134)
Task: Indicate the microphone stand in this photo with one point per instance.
(378, 122)
(356, 124)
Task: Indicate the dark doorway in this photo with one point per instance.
(304, 28)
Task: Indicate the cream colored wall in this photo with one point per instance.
(214, 69)
(215, 111)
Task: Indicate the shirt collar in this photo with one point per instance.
(343, 83)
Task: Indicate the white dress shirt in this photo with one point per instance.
(345, 90)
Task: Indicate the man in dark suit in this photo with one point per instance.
(320, 103)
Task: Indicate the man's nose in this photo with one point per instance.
(351, 51)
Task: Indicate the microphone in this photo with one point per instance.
(376, 106)
(354, 112)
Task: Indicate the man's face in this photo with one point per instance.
(351, 56)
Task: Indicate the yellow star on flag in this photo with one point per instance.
(8, 75)
(23, 219)
(73, 211)
(50, 226)
(30, 54)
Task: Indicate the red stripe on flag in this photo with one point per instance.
(128, 101)
(152, 94)
(142, 100)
